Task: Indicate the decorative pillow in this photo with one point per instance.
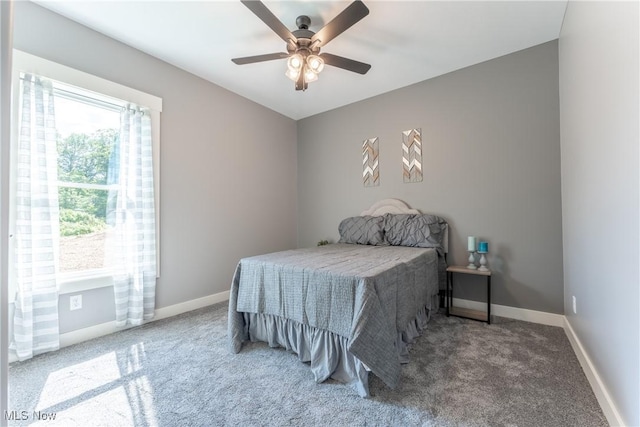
(362, 230)
(417, 230)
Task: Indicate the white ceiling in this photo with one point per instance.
(404, 41)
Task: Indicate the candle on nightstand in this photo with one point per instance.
(483, 247)
(471, 244)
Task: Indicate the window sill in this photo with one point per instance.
(72, 283)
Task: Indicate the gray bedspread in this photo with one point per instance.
(366, 294)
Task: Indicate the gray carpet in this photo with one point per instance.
(178, 372)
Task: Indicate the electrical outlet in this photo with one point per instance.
(575, 309)
(75, 302)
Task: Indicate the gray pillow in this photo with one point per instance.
(362, 230)
(416, 230)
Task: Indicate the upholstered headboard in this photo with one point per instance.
(395, 206)
(392, 206)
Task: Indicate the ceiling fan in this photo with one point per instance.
(305, 61)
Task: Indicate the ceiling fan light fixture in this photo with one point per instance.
(295, 62)
(310, 75)
(315, 63)
(292, 74)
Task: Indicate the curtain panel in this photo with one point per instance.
(35, 255)
(131, 235)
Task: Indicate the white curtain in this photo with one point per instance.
(35, 327)
(131, 236)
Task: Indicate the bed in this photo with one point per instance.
(348, 308)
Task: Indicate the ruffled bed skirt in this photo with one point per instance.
(327, 352)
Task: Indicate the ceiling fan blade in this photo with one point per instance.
(345, 63)
(352, 14)
(260, 58)
(261, 11)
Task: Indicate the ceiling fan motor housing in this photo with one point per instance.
(303, 45)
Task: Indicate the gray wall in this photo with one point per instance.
(228, 165)
(491, 142)
(599, 112)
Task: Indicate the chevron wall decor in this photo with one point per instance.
(370, 170)
(412, 155)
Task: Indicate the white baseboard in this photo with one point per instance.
(80, 335)
(527, 315)
(194, 304)
(602, 394)
(85, 334)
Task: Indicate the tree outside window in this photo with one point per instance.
(86, 137)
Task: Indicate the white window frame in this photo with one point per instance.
(26, 63)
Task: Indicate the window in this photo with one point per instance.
(87, 130)
(87, 121)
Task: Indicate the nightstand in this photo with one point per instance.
(466, 312)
